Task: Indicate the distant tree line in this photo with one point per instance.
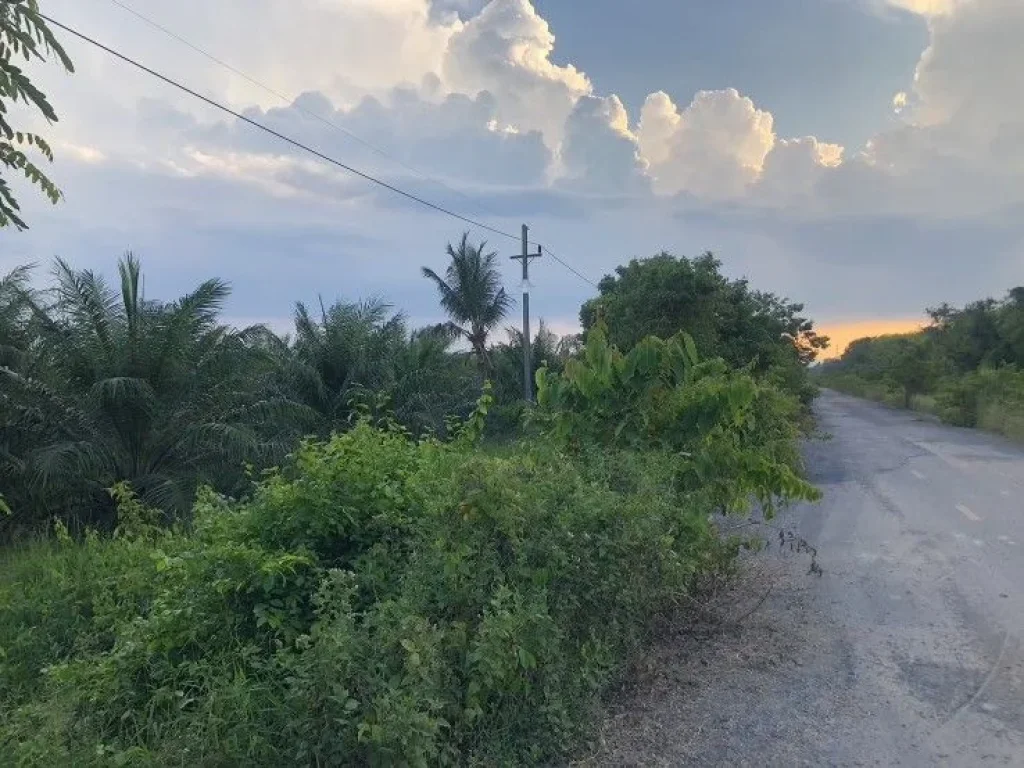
(965, 364)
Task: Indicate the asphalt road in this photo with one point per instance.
(906, 651)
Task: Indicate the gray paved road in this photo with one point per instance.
(907, 651)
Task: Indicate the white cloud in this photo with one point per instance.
(793, 169)
(659, 122)
(600, 154)
(959, 149)
(969, 73)
(80, 152)
(456, 138)
(925, 7)
(506, 50)
(715, 148)
(343, 48)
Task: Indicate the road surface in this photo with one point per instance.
(906, 651)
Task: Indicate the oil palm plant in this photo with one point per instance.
(123, 389)
(360, 355)
(345, 357)
(431, 382)
(472, 296)
(15, 316)
(546, 349)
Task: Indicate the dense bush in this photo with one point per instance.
(382, 600)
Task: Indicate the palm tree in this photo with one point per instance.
(360, 354)
(125, 389)
(344, 357)
(472, 295)
(431, 383)
(15, 316)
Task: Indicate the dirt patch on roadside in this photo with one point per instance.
(730, 683)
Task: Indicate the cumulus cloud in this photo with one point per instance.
(344, 48)
(506, 50)
(400, 137)
(600, 153)
(793, 169)
(967, 75)
(959, 147)
(714, 148)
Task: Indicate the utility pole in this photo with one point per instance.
(527, 340)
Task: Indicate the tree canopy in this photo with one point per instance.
(665, 294)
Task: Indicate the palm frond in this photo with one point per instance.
(86, 299)
(129, 269)
(120, 393)
(63, 464)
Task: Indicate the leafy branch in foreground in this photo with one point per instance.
(24, 35)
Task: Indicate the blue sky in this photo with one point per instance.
(865, 157)
(826, 68)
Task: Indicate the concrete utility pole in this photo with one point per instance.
(527, 340)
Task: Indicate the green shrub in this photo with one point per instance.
(882, 391)
(735, 436)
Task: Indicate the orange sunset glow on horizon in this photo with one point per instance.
(842, 334)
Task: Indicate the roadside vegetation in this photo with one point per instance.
(354, 545)
(966, 366)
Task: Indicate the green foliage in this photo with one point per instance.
(391, 591)
(734, 436)
(991, 399)
(24, 35)
(109, 387)
(359, 356)
(388, 601)
(506, 418)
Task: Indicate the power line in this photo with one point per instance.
(287, 100)
(553, 255)
(311, 114)
(294, 142)
(276, 134)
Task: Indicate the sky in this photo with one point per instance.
(863, 157)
